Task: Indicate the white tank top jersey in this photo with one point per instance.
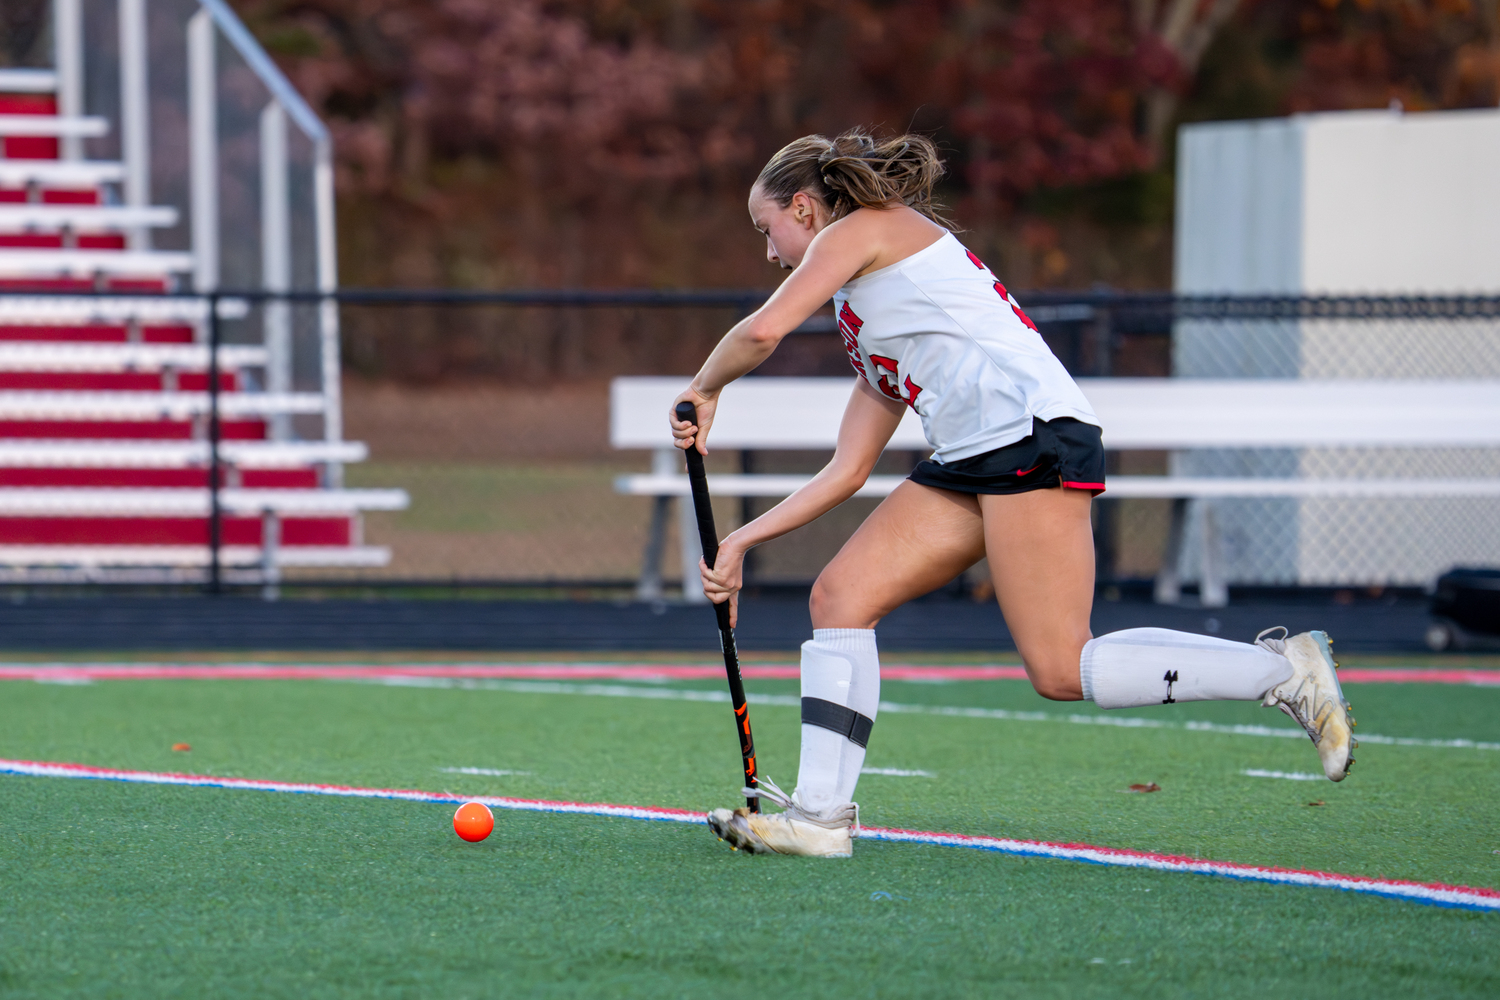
(940, 333)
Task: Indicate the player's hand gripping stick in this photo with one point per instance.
(708, 537)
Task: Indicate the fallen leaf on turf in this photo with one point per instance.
(181, 747)
(1152, 787)
(1320, 802)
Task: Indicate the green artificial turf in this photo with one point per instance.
(148, 891)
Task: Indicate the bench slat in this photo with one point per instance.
(1120, 487)
(1160, 413)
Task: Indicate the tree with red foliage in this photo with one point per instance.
(1366, 53)
(406, 82)
(585, 104)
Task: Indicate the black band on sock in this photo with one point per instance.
(845, 721)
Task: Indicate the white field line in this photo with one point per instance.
(896, 772)
(486, 771)
(1256, 772)
(956, 711)
(1430, 893)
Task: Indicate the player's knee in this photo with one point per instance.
(823, 603)
(835, 606)
(1055, 679)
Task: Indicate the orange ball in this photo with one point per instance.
(473, 821)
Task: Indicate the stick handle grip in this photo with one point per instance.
(708, 535)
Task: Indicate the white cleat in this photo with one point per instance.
(1313, 698)
(797, 830)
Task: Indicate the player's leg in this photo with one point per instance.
(918, 539)
(1041, 556)
(1040, 547)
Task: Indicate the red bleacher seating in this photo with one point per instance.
(103, 404)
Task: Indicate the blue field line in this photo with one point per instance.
(1446, 896)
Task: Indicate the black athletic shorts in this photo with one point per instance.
(1062, 452)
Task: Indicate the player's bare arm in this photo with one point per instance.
(869, 421)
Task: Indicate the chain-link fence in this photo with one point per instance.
(495, 417)
(1346, 541)
(491, 412)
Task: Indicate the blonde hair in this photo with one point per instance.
(855, 171)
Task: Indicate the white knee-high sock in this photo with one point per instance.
(1155, 666)
(840, 688)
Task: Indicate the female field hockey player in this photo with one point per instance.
(1016, 463)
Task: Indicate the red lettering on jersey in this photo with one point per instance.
(1000, 290)
(846, 315)
(849, 325)
(886, 368)
(891, 388)
(974, 260)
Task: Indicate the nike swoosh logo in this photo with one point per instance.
(1023, 472)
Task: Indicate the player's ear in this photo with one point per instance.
(803, 210)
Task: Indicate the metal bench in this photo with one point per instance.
(1137, 414)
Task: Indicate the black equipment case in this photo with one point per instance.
(1466, 610)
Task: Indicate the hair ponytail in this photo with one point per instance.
(855, 171)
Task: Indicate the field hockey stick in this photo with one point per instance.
(708, 537)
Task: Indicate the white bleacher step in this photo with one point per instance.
(42, 263)
(75, 454)
(83, 126)
(88, 217)
(74, 310)
(60, 173)
(33, 501)
(151, 405)
(47, 356)
(196, 556)
(1118, 487)
(27, 81)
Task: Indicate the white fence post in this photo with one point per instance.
(276, 258)
(67, 39)
(328, 309)
(203, 151)
(135, 115)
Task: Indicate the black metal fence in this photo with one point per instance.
(490, 409)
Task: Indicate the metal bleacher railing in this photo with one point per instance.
(141, 440)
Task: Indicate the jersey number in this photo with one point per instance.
(1000, 291)
(887, 383)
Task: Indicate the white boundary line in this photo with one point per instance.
(1429, 893)
(955, 711)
